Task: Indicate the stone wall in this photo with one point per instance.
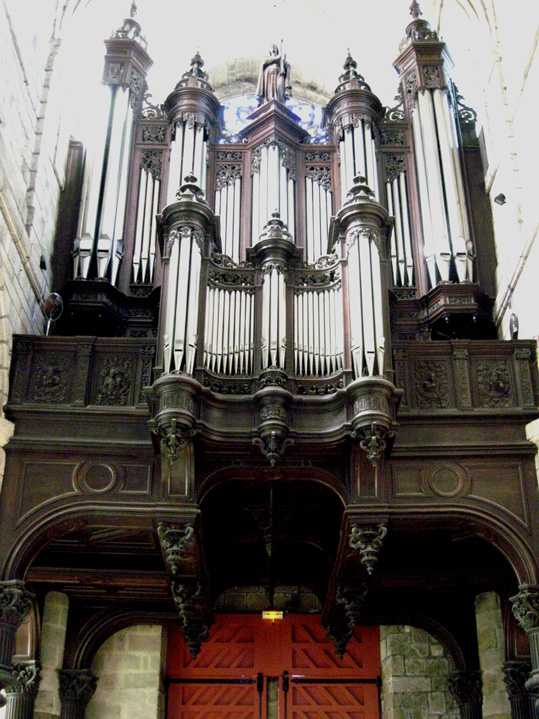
(491, 644)
(415, 667)
(53, 631)
(128, 665)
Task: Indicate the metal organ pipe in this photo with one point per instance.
(180, 340)
(366, 318)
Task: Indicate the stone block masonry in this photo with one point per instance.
(128, 665)
(415, 667)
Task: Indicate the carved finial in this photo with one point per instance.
(133, 10)
(195, 76)
(415, 10)
(351, 78)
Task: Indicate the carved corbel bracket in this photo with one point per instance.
(374, 408)
(273, 399)
(177, 543)
(369, 542)
(173, 406)
(340, 631)
(195, 620)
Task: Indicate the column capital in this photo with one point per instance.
(515, 675)
(466, 687)
(76, 686)
(24, 679)
(526, 607)
(15, 602)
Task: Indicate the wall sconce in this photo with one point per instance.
(500, 199)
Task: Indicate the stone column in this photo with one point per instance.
(53, 631)
(526, 611)
(15, 604)
(515, 676)
(21, 690)
(465, 688)
(491, 646)
(76, 689)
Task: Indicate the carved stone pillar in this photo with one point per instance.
(526, 611)
(515, 676)
(77, 687)
(21, 690)
(465, 688)
(15, 604)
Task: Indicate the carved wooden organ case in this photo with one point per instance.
(289, 277)
(280, 250)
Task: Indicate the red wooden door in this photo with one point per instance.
(246, 656)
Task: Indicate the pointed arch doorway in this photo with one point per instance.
(250, 668)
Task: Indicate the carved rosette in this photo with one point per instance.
(515, 675)
(195, 623)
(369, 542)
(15, 605)
(76, 688)
(373, 401)
(176, 542)
(466, 688)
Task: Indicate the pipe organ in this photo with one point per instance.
(279, 247)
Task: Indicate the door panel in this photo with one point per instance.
(228, 679)
(214, 701)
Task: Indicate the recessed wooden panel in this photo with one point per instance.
(333, 701)
(213, 701)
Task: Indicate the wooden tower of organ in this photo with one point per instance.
(276, 366)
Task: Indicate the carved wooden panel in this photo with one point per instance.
(500, 484)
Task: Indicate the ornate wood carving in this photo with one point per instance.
(369, 542)
(176, 542)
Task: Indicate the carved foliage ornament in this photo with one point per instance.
(151, 160)
(431, 384)
(369, 542)
(174, 437)
(190, 605)
(373, 441)
(15, 602)
(392, 135)
(176, 542)
(273, 445)
(320, 174)
(227, 175)
(515, 675)
(526, 608)
(395, 165)
(113, 73)
(154, 133)
(465, 687)
(340, 632)
(24, 679)
(76, 686)
(493, 385)
(368, 235)
(52, 377)
(286, 153)
(114, 381)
